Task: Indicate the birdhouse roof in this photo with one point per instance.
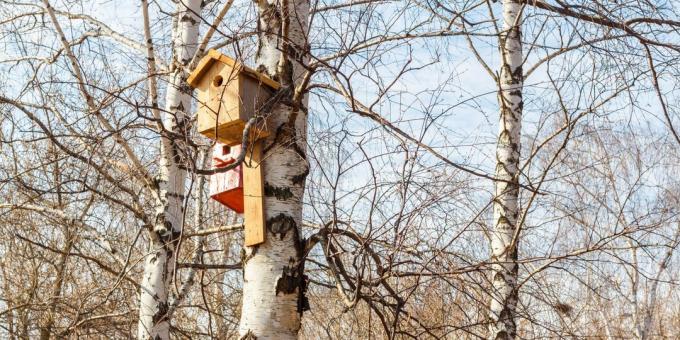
(207, 62)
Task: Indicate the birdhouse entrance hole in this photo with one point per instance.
(217, 81)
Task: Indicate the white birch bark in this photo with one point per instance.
(159, 267)
(634, 274)
(653, 291)
(273, 279)
(505, 207)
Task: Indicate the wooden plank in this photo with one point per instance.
(253, 196)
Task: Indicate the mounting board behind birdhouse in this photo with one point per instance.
(253, 196)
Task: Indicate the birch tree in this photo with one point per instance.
(505, 236)
(274, 281)
(159, 270)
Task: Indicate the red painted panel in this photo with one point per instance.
(227, 187)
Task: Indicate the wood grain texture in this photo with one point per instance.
(253, 196)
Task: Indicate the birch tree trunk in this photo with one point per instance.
(274, 281)
(505, 207)
(159, 268)
(634, 274)
(652, 306)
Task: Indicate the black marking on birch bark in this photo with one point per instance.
(504, 137)
(289, 281)
(176, 233)
(281, 193)
(168, 227)
(153, 258)
(166, 234)
(517, 75)
(282, 96)
(248, 336)
(161, 312)
(178, 122)
(498, 276)
(296, 54)
(175, 195)
(162, 228)
(188, 18)
(300, 179)
(502, 335)
(502, 221)
(281, 224)
(285, 96)
(505, 317)
(299, 243)
(245, 258)
(176, 158)
(303, 302)
(563, 308)
(160, 218)
(283, 137)
(293, 280)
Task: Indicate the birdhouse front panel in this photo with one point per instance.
(224, 154)
(219, 108)
(229, 94)
(227, 187)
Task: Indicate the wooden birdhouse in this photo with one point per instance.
(241, 189)
(229, 94)
(227, 187)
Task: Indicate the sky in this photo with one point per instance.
(451, 86)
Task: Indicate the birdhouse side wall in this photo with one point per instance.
(252, 104)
